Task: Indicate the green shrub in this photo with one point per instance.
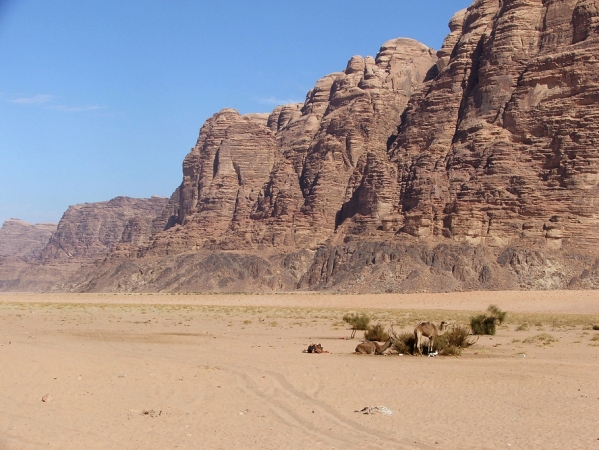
(357, 322)
(403, 343)
(595, 327)
(482, 324)
(496, 313)
(376, 333)
(452, 342)
(486, 323)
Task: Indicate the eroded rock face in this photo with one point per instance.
(502, 146)
(294, 178)
(24, 240)
(88, 231)
(474, 167)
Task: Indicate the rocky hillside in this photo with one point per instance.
(90, 230)
(33, 257)
(472, 167)
(23, 240)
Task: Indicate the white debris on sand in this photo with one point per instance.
(375, 409)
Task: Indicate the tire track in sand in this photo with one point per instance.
(283, 403)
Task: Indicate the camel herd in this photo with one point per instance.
(426, 329)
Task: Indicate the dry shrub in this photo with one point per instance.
(486, 323)
(451, 350)
(357, 322)
(496, 313)
(403, 343)
(540, 339)
(482, 324)
(452, 342)
(376, 333)
(522, 327)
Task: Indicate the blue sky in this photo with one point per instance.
(105, 98)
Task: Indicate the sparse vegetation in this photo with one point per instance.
(595, 338)
(522, 327)
(482, 324)
(452, 342)
(596, 327)
(540, 339)
(487, 323)
(403, 343)
(376, 333)
(357, 322)
(496, 313)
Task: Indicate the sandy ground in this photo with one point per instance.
(227, 371)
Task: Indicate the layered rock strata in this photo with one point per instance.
(291, 179)
(474, 167)
(23, 240)
(502, 145)
(88, 231)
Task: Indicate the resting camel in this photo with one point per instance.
(428, 330)
(448, 325)
(370, 347)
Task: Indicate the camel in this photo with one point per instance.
(448, 325)
(315, 348)
(428, 330)
(371, 347)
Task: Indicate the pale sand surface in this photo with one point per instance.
(227, 371)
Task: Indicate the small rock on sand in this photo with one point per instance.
(46, 398)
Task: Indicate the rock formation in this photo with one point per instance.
(474, 167)
(90, 230)
(34, 257)
(23, 240)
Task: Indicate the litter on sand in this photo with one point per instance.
(315, 348)
(375, 409)
(433, 354)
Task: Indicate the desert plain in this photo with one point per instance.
(158, 371)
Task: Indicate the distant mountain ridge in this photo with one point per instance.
(473, 167)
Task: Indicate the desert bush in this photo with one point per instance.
(452, 342)
(459, 337)
(595, 338)
(403, 343)
(540, 339)
(357, 322)
(522, 327)
(496, 313)
(451, 350)
(595, 327)
(482, 324)
(376, 333)
(486, 323)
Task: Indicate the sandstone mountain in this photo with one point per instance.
(39, 256)
(23, 240)
(473, 167)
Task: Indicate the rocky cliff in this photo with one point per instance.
(34, 257)
(23, 240)
(473, 167)
(90, 230)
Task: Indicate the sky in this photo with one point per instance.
(105, 98)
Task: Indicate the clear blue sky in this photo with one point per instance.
(105, 98)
